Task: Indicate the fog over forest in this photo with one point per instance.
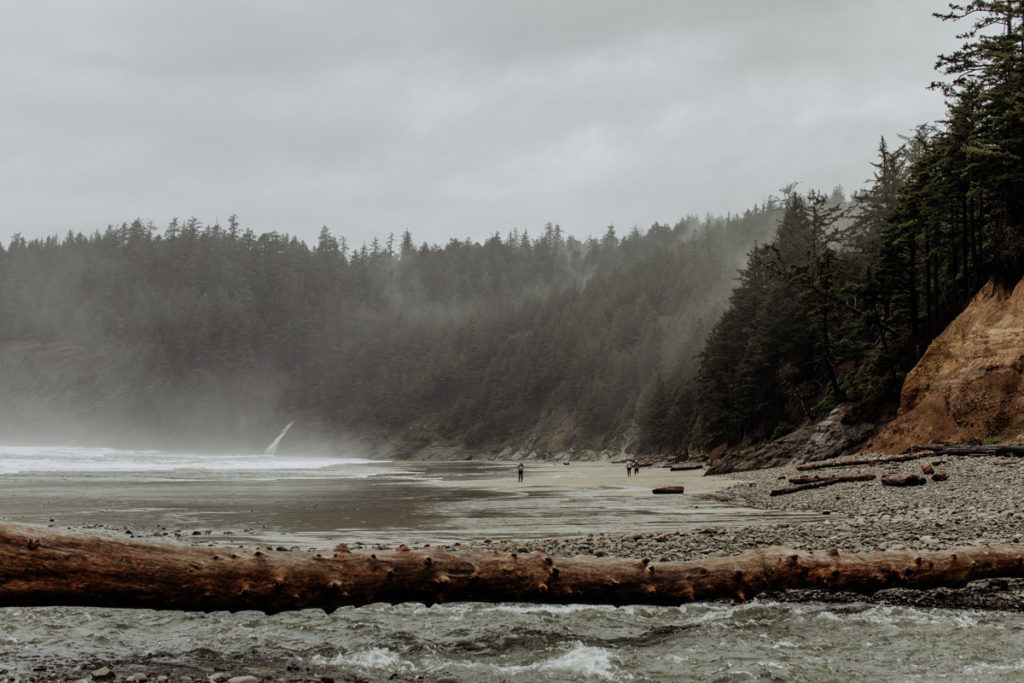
(210, 335)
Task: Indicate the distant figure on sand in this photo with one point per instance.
(520, 473)
(629, 467)
(636, 468)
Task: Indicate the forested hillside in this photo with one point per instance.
(196, 334)
(843, 301)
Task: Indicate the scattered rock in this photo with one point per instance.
(828, 438)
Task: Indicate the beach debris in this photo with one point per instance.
(804, 483)
(70, 569)
(668, 489)
(859, 462)
(902, 480)
(921, 451)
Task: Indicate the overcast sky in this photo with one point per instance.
(450, 118)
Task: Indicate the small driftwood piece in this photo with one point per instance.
(669, 489)
(804, 483)
(902, 480)
(685, 467)
(40, 567)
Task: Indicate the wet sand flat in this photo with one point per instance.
(370, 502)
(609, 477)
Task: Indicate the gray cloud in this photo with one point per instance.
(451, 118)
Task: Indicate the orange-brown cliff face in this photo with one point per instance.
(970, 382)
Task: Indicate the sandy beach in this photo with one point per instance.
(607, 477)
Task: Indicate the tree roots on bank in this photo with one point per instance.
(39, 567)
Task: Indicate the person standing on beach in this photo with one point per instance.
(629, 467)
(636, 468)
(520, 473)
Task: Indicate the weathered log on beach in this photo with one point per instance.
(669, 489)
(804, 483)
(39, 567)
(919, 451)
(684, 468)
(902, 480)
(970, 449)
(858, 462)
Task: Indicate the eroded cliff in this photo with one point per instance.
(969, 384)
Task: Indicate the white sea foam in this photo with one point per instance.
(585, 661)
(550, 609)
(368, 659)
(986, 669)
(892, 615)
(50, 459)
(579, 662)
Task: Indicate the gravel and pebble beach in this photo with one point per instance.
(978, 504)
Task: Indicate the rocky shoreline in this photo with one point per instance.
(976, 505)
(979, 504)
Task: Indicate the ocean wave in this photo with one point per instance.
(69, 459)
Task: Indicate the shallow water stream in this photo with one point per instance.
(754, 641)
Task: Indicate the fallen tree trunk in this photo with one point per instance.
(38, 567)
(804, 483)
(857, 462)
(970, 449)
(919, 451)
(902, 480)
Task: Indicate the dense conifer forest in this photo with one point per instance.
(844, 300)
(546, 341)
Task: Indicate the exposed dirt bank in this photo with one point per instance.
(970, 382)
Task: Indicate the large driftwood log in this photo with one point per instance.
(970, 449)
(857, 462)
(919, 451)
(39, 567)
(804, 483)
(902, 479)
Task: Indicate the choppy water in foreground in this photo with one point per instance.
(356, 499)
(754, 641)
